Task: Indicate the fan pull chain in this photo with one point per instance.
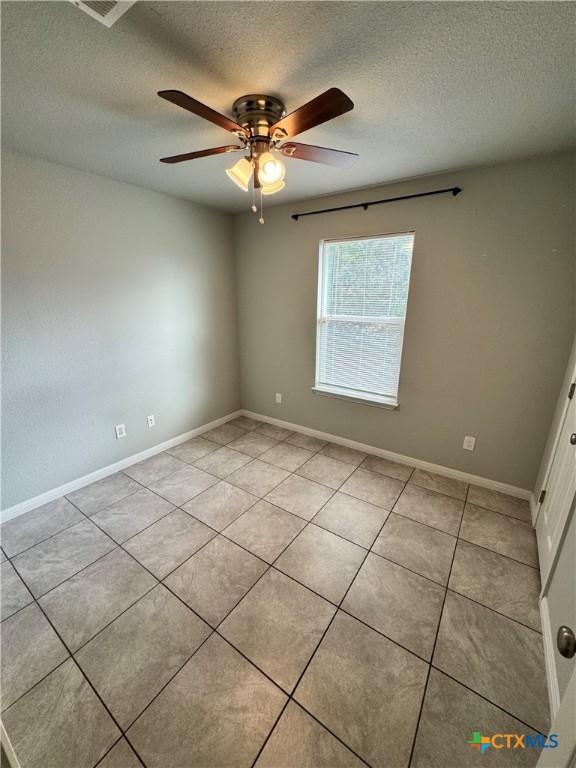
(253, 207)
(261, 219)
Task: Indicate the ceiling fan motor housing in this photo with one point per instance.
(257, 113)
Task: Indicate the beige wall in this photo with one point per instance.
(117, 303)
(489, 325)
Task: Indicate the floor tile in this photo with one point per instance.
(402, 605)
(389, 468)
(500, 502)
(243, 422)
(223, 434)
(495, 656)
(30, 650)
(342, 453)
(352, 518)
(276, 433)
(440, 483)
(135, 656)
(128, 517)
(265, 530)
(24, 531)
(120, 756)
(287, 456)
(278, 626)
(300, 496)
(154, 468)
(299, 741)
(60, 722)
(220, 505)
(431, 508)
(216, 712)
(53, 561)
(449, 716)
(216, 579)
(306, 441)
(322, 561)
(107, 587)
(323, 469)
(223, 462)
(258, 477)
(417, 547)
(192, 450)
(92, 498)
(506, 586)
(500, 533)
(183, 485)
(366, 690)
(15, 594)
(373, 488)
(168, 543)
(253, 444)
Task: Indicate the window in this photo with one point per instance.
(362, 297)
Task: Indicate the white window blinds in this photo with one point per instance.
(362, 298)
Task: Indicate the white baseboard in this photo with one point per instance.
(99, 474)
(484, 482)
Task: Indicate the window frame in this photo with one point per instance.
(361, 396)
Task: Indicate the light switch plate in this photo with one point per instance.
(469, 443)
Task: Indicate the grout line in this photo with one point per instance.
(74, 661)
(118, 740)
(494, 552)
(485, 698)
(440, 616)
(499, 613)
(294, 689)
(37, 683)
(51, 536)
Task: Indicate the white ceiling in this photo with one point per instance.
(436, 86)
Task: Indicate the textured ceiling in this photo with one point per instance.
(436, 86)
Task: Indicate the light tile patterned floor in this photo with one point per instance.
(258, 597)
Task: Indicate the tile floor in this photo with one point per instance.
(259, 597)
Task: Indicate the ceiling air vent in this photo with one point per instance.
(106, 11)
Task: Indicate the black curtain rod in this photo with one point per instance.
(455, 191)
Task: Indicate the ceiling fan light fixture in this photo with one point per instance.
(271, 170)
(271, 189)
(241, 173)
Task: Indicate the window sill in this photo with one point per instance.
(387, 403)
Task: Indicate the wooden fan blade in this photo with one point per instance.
(319, 154)
(201, 153)
(328, 105)
(197, 108)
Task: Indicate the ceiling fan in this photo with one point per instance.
(263, 127)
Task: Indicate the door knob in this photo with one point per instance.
(566, 642)
(573, 438)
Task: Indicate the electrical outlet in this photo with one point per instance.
(469, 443)
(120, 431)
(279, 397)
(151, 421)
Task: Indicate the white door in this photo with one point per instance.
(558, 612)
(559, 489)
